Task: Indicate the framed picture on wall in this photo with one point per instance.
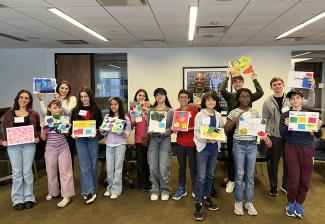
(214, 77)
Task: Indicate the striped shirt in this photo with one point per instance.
(56, 140)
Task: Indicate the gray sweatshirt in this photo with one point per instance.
(169, 121)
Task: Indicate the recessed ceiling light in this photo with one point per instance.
(214, 22)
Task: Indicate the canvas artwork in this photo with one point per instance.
(57, 124)
(303, 121)
(20, 135)
(157, 122)
(84, 128)
(181, 120)
(299, 79)
(212, 133)
(139, 109)
(44, 85)
(252, 126)
(241, 66)
(113, 124)
(197, 98)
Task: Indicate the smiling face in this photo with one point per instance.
(114, 106)
(84, 99)
(160, 98)
(244, 99)
(277, 87)
(296, 101)
(23, 100)
(199, 81)
(210, 103)
(238, 84)
(183, 99)
(64, 90)
(55, 109)
(141, 96)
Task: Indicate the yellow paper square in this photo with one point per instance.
(176, 125)
(301, 119)
(184, 125)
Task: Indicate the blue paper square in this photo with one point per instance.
(162, 125)
(301, 126)
(88, 131)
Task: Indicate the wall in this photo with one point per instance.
(147, 68)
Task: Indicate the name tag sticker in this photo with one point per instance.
(18, 120)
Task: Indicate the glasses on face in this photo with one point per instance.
(159, 94)
(183, 97)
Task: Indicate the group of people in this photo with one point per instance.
(153, 149)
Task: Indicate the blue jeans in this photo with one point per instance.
(21, 159)
(114, 167)
(87, 149)
(206, 164)
(159, 159)
(244, 157)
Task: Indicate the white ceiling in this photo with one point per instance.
(249, 22)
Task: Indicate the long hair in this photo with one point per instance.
(29, 105)
(241, 90)
(163, 92)
(92, 103)
(139, 91)
(211, 94)
(121, 113)
(65, 83)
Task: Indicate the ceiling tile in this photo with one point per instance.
(87, 12)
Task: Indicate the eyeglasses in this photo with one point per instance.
(183, 97)
(159, 94)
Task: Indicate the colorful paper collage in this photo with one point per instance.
(303, 121)
(139, 109)
(197, 98)
(44, 85)
(113, 124)
(84, 128)
(299, 79)
(212, 133)
(157, 123)
(241, 66)
(20, 135)
(181, 120)
(57, 124)
(252, 126)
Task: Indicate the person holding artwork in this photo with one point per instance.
(207, 154)
(87, 147)
(199, 87)
(141, 142)
(244, 153)
(115, 148)
(299, 153)
(186, 150)
(159, 150)
(57, 158)
(237, 82)
(274, 106)
(22, 156)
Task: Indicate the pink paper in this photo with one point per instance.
(20, 135)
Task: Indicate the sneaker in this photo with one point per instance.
(19, 206)
(181, 192)
(164, 197)
(250, 208)
(29, 204)
(290, 210)
(154, 197)
(107, 194)
(63, 203)
(113, 196)
(90, 198)
(298, 211)
(193, 194)
(198, 214)
(48, 197)
(239, 208)
(210, 205)
(284, 190)
(273, 191)
(230, 187)
(214, 193)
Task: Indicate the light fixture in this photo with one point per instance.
(76, 23)
(193, 16)
(297, 55)
(302, 25)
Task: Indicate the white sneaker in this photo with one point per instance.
(239, 208)
(250, 208)
(48, 197)
(164, 197)
(113, 196)
(107, 194)
(64, 202)
(230, 187)
(193, 194)
(154, 197)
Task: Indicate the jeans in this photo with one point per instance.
(244, 157)
(159, 158)
(206, 164)
(185, 154)
(21, 159)
(87, 149)
(114, 167)
(143, 172)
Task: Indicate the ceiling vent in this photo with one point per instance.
(210, 30)
(73, 42)
(122, 2)
(154, 43)
(12, 37)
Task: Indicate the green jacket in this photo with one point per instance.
(231, 97)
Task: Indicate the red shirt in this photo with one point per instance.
(185, 138)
